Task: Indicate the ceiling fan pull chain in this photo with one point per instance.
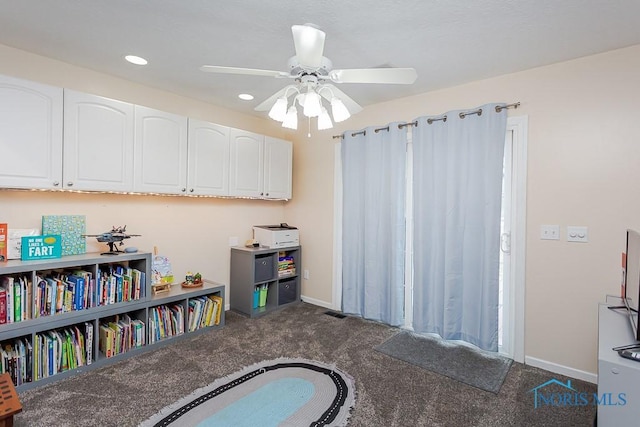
(309, 128)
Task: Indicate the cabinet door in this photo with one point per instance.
(98, 143)
(246, 168)
(208, 164)
(30, 134)
(160, 152)
(278, 158)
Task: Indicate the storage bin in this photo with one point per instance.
(287, 291)
(265, 268)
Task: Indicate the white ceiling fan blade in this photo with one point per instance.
(309, 44)
(351, 105)
(244, 71)
(375, 75)
(268, 103)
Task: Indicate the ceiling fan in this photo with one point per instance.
(314, 74)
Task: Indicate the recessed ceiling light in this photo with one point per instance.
(136, 60)
(245, 97)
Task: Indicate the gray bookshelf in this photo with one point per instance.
(253, 268)
(140, 309)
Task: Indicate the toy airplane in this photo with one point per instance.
(116, 235)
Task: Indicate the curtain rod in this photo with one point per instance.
(462, 115)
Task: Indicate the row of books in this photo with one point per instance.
(54, 294)
(121, 335)
(204, 311)
(68, 348)
(120, 283)
(286, 265)
(165, 321)
(61, 350)
(16, 360)
(64, 292)
(15, 297)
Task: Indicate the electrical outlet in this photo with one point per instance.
(305, 274)
(233, 241)
(550, 232)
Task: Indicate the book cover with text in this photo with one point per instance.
(3, 241)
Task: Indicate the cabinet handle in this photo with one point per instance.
(191, 190)
(184, 190)
(56, 183)
(262, 194)
(69, 184)
(266, 194)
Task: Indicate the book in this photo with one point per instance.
(78, 284)
(88, 331)
(14, 244)
(220, 307)
(65, 353)
(106, 340)
(27, 298)
(46, 246)
(3, 306)
(17, 301)
(68, 303)
(71, 229)
(4, 231)
(7, 285)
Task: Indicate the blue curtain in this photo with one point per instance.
(373, 244)
(457, 188)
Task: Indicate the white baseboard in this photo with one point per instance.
(561, 369)
(317, 302)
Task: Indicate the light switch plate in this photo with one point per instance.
(577, 234)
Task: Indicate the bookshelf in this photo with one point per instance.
(273, 273)
(112, 317)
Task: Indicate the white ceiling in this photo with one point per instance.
(448, 42)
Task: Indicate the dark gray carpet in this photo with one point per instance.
(388, 392)
(460, 362)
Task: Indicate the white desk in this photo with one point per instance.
(615, 373)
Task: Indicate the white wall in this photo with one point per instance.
(583, 169)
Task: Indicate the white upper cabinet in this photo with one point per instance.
(52, 138)
(278, 162)
(261, 166)
(98, 143)
(160, 152)
(208, 161)
(247, 164)
(30, 134)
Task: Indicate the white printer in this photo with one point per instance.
(276, 236)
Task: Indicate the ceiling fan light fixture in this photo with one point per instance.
(339, 111)
(279, 110)
(324, 121)
(312, 104)
(291, 119)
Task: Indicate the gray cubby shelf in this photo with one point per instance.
(26, 332)
(258, 267)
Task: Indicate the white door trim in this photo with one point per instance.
(519, 127)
